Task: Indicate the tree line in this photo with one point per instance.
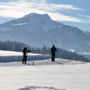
(61, 53)
(12, 46)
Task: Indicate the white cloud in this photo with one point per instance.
(22, 7)
(85, 16)
(61, 17)
(37, 1)
(89, 21)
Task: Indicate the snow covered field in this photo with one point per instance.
(12, 56)
(45, 75)
(64, 75)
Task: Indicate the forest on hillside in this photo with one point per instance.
(61, 53)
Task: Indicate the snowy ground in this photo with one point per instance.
(45, 75)
(13, 53)
(12, 56)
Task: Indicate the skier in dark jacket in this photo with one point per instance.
(25, 51)
(53, 52)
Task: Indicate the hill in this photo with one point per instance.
(38, 30)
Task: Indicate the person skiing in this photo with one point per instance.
(53, 52)
(25, 51)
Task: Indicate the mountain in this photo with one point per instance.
(38, 30)
(88, 33)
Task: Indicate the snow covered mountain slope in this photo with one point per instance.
(12, 56)
(14, 53)
(39, 29)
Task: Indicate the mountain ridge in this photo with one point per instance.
(39, 29)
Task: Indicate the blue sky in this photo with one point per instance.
(70, 12)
